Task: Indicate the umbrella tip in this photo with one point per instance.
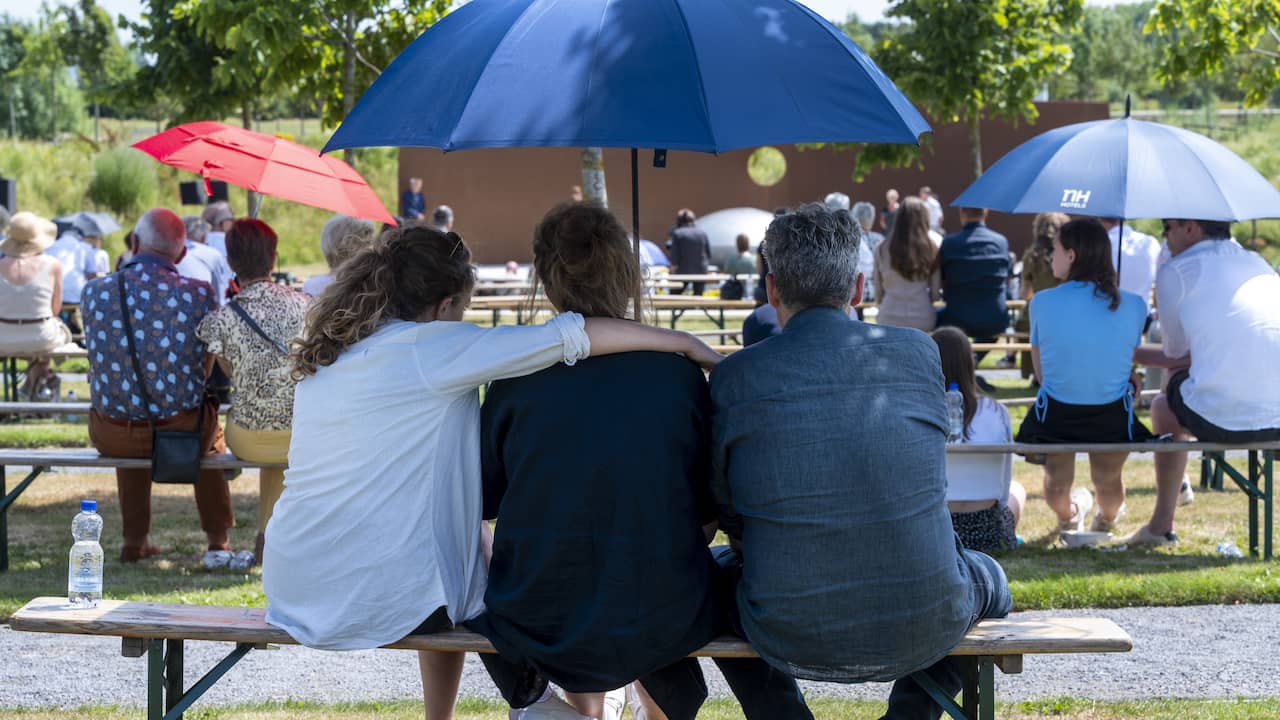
(1127, 100)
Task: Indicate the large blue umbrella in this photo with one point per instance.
(704, 75)
(1124, 168)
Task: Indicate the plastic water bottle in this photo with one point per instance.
(955, 413)
(84, 574)
(1229, 550)
(71, 397)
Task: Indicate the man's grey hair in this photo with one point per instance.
(865, 214)
(442, 215)
(197, 228)
(161, 231)
(813, 256)
(343, 236)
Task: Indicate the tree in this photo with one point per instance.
(95, 51)
(964, 60)
(1201, 38)
(328, 49)
(199, 77)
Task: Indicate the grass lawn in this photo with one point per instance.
(715, 709)
(1043, 575)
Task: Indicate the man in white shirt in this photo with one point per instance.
(935, 208)
(203, 262)
(219, 216)
(78, 266)
(1138, 268)
(1221, 339)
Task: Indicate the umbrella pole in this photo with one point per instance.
(635, 222)
(255, 203)
(1119, 253)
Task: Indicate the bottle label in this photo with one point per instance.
(85, 579)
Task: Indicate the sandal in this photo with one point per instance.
(131, 554)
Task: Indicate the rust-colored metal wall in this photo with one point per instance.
(498, 195)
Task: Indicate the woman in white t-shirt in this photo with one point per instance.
(378, 532)
(984, 501)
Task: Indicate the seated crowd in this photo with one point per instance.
(600, 576)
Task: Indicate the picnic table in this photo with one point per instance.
(9, 366)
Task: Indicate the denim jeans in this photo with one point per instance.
(764, 692)
(989, 589)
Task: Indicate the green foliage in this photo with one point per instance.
(124, 181)
(95, 50)
(964, 60)
(1204, 37)
(1111, 56)
(330, 50)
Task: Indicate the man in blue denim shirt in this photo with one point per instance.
(829, 451)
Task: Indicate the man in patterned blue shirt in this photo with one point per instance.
(164, 310)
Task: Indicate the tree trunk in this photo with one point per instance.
(254, 199)
(349, 76)
(97, 117)
(53, 104)
(246, 116)
(975, 144)
(13, 121)
(593, 187)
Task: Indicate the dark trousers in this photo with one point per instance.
(764, 692)
(698, 287)
(991, 599)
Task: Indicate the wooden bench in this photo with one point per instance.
(42, 460)
(1257, 485)
(159, 630)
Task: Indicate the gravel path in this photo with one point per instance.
(1208, 651)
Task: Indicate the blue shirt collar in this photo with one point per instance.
(148, 258)
(817, 314)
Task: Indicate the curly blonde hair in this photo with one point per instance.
(401, 275)
(584, 258)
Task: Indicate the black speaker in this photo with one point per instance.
(219, 191)
(192, 192)
(9, 194)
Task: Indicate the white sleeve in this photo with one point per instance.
(487, 354)
(1169, 294)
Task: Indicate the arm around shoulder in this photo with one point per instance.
(610, 335)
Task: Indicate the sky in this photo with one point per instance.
(838, 10)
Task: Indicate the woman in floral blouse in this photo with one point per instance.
(250, 337)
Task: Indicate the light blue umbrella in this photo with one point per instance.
(1124, 168)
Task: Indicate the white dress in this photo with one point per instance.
(379, 522)
(982, 476)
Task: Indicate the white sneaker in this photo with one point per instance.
(1100, 525)
(633, 699)
(1186, 495)
(241, 561)
(549, 707)
(614, 702)
(1082, 499)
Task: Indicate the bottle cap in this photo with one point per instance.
(88, 506)
(953, 386)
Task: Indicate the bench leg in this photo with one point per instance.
(172, 675)
(165, 698)
(8, 500)
(1206, 467)
(1253, 505)
(1267, 505)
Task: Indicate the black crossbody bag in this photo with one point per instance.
(175, 454)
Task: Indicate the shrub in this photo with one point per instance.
(124, 181)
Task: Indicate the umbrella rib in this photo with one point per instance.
(697, 68)
(472, 90)
(1225, 201)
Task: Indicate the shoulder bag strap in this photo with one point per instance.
(133, 350)
(137, 366)
(253, 325)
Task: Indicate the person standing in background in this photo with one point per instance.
(413, 206)
(690, 250)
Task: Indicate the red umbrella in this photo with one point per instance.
(268, 165)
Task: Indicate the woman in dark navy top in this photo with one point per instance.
(598, 476)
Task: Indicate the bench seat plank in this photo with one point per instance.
(89, 457)
(116, 618)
